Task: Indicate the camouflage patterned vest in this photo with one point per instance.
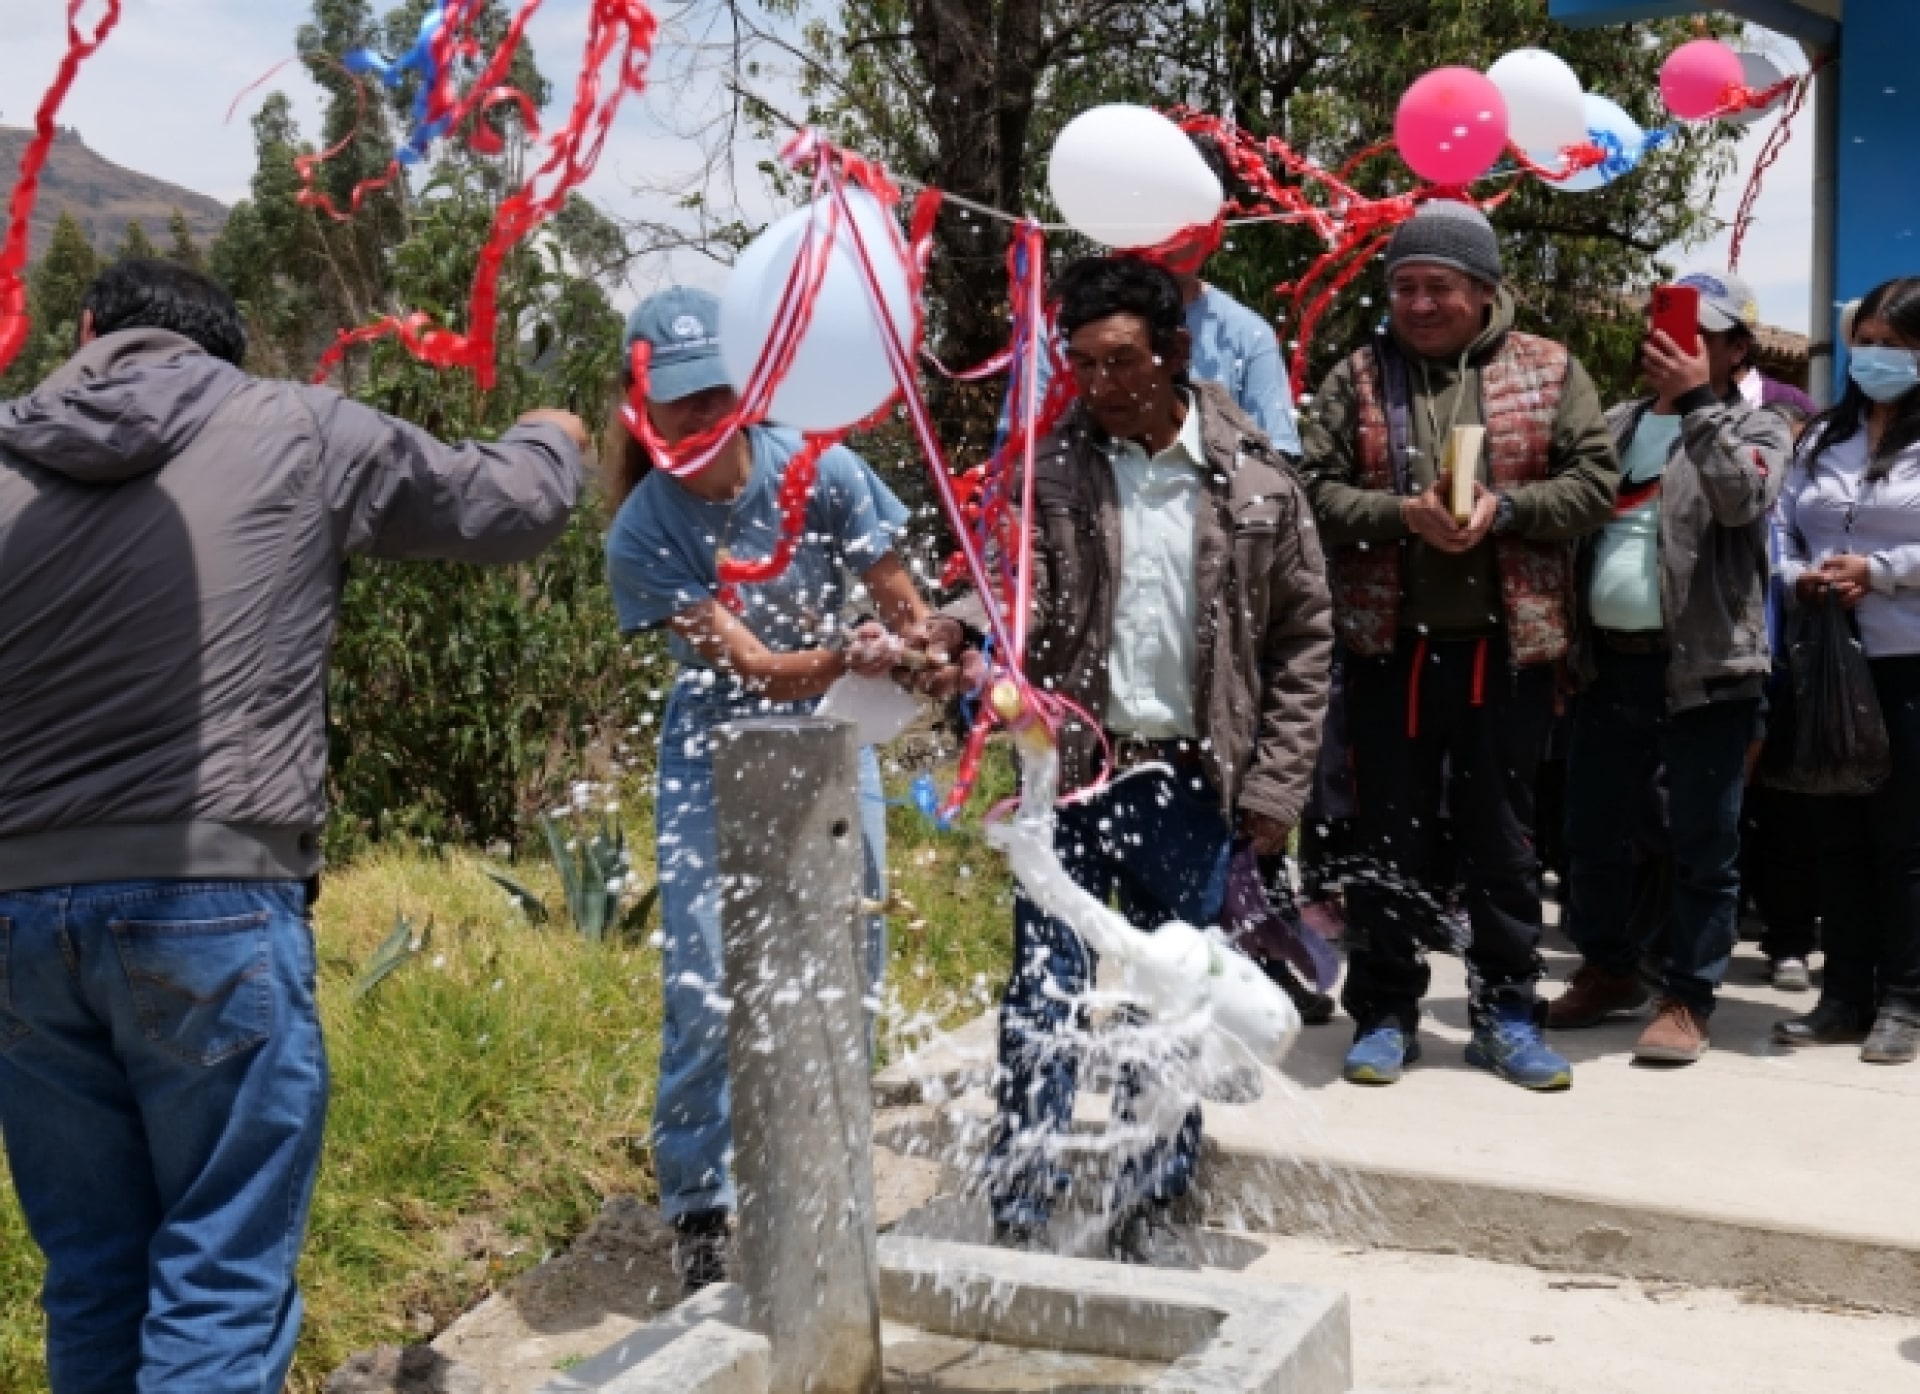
(1520, 391)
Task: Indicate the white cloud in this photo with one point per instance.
(155, 99)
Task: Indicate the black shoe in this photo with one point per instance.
(1145, 1235)
(701, 1247)
(1025, 1239)
(1894, 1040)
(1829, 1023)
(1315, 1008)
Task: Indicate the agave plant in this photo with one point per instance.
(398, 949)
(595, 877)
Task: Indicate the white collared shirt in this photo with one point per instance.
(1156, 619)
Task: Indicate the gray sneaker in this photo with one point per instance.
(1790, 975)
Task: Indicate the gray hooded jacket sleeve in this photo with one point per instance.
(172, 534)
(394, 491)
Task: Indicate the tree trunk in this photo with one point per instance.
(981, 60)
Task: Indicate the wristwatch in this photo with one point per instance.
(1503, 512)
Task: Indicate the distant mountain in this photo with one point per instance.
(102, 196)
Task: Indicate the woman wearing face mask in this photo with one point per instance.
(1849, 525)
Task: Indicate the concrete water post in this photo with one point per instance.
(786, 794)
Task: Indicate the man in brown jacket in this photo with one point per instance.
(1181, 602)
(1453, 627)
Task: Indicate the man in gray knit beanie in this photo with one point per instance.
(1451, 626)
(1448, 234)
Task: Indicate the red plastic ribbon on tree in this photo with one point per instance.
(621, 31)
(1354, 227)
(14, 322)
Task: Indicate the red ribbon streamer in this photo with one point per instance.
(621, 31)
(14, 322)
(1770, 152)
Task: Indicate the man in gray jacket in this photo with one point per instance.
(1671, 654)
(173, 536)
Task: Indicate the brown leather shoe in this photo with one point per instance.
(1592, 996)
(1676, 1036)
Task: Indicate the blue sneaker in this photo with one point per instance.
(1379, 1053)
(1511, 1046)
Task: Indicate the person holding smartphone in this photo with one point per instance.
(1671, 655)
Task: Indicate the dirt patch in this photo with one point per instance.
(613, 1279)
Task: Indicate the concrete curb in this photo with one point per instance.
(1342, 1201)
(1216, 1334)
(1557, 1230)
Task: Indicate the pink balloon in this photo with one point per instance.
(1451, 126)
(1697, 77)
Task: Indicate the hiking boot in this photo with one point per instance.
(1144, 1235)
(1315, 1008)
(1676, 1036)
(700, 1249)
(1791, 975)
(1829, 1023)
(1379, 1054)
(1894, 1040)
(1593, 995)
(1509, 1044)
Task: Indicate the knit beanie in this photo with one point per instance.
(1445, 233)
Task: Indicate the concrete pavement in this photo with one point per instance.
(1782, 1173)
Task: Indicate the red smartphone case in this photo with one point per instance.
(1676, 312)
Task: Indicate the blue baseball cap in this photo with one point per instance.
(683, 326)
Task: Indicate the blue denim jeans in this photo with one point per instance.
(692, 1119)
(1623, 736)
(163, 1087)
(1160, 844)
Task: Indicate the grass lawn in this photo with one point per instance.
(494, 1090)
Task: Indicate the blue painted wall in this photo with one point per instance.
(1878, 232)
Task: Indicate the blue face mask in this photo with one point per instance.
(1885, 374)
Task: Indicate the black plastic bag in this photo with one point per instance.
(1825, 734)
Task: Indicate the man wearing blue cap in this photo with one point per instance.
(783, 645)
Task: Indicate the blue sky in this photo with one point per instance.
(156, 96)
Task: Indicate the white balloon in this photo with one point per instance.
(1128, 177)
(1546, 109)
(1611, 129)
(840, 375)
(1761, 72)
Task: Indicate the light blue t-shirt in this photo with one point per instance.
(1234, 347)
(661, 552)
(1625, 593)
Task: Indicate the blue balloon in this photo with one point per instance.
(419, 61)
(1620, 138)
(926, 796)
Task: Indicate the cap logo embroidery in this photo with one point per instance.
(688, 327)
